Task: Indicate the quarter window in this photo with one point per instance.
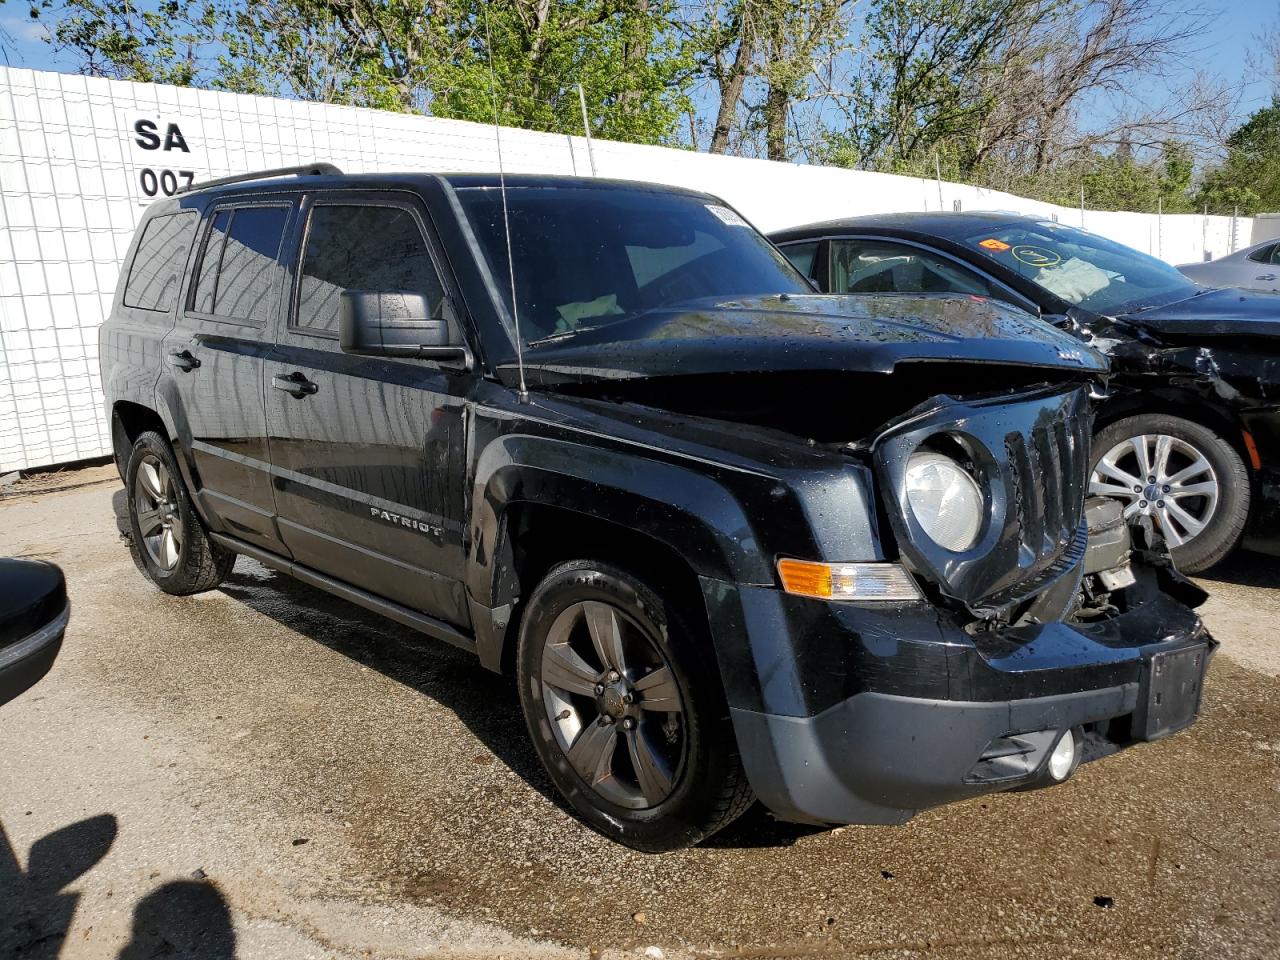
(156, 272)
(239, 276)
(1264, 254)
(802, 254)
(361, 248)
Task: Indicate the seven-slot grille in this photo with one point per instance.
(1048, 474)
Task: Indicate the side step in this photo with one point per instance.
(432, 627)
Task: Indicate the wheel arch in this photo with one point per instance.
(541, 501)
(1189, 404)
(129, 420)
(540, 536)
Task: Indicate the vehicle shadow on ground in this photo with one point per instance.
(487, 704)
(1246, 569)
(183, 919)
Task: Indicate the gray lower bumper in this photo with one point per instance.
(878, 758)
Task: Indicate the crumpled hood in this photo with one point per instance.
(859, 333)
(1215, 313)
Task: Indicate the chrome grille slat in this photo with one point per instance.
(1048, 442)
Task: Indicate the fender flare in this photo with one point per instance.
(684, 510)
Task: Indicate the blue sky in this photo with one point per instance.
(1231, 31)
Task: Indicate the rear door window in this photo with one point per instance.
(874, 266)
(239, 275)
(155, 276)
(372, 248)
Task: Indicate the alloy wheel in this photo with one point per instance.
(1163, 477)
(614, 705)
(159, 522)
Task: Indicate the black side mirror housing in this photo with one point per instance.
(396, 324)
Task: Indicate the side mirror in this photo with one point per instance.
(396, 324)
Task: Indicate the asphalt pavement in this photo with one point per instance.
(268, 772)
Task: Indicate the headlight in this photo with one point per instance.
(945, 500)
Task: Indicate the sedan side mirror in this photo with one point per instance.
(396, 324)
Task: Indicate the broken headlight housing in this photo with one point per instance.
(945, 499)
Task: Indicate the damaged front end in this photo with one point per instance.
(1052, 634)
(1213, 359)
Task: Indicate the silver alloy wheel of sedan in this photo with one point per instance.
(159, 522)
(613, 705)
(1163, 477)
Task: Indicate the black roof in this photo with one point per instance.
(412, 179)
(935, 223)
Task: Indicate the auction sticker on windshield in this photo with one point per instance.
(725, 215)
(1036, 256)
(991, 243)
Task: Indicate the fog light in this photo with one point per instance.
(1063, 759)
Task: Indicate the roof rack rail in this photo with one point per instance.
(305, 170)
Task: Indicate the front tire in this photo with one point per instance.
(626, 711)
(1188, 479)
(169, 542)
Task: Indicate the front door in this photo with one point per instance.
(212, 380)
(367, 453)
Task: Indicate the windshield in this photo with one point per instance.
(586, 256)
(1084, 269)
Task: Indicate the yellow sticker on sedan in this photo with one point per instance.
(1036, 256)
(991, 243)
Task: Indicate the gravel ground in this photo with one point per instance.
(266, 771)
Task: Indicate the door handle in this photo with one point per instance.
(1265, 276)
(183, 360)
(294, 384)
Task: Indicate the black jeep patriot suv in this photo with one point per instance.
(735, 539)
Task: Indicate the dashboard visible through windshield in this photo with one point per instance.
(585, 257)
(1084, 269)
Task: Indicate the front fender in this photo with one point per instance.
(687, 512)
(681, 508)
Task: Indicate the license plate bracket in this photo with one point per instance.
(1172, 687)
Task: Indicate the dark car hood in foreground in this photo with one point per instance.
(1215, 313)
(867, 334)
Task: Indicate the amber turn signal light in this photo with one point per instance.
(847, 581)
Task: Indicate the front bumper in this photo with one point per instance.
(925, 710)
(25, 661)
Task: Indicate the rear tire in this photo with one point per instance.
(1201, 529)
(648, 759)
(168, 540)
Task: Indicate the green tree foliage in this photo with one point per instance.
(1001, 93)
(921, 85)
(1249, 179)
(404, 55)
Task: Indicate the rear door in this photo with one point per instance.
(214, 364)
(367, 453)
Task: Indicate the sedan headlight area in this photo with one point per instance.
(945, 500)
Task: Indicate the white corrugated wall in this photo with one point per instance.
(73, 176)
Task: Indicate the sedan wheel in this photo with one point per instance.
(159, 522)
(613, 705)
(1187, 478)
(1163, 477)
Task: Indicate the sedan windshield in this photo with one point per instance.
(1084, 269)
(585, 256)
